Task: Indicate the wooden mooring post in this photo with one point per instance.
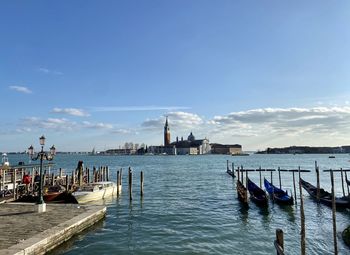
(295, 189)
(334, 216)
(302, 219)
(346, 177)
(279, 242)
(141, 184)
(118, 183)
(279, 177)
(130, 183)
(14, 183)
(342, 180)
(318, 181)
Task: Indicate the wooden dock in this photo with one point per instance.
(24, 231)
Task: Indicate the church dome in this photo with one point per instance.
(191, 137)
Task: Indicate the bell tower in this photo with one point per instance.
(166, 133)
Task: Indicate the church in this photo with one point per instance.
(191, 146)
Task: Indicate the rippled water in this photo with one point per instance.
(190, 207)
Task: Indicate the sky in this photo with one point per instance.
(97, 74)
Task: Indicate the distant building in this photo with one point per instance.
(217, 148)
(191, 146)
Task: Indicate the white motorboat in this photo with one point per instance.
(95, 191)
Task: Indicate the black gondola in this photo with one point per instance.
(242, 192)
(257, 195)
(325, 197)
(279, 196)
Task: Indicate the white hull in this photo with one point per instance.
(96, 194)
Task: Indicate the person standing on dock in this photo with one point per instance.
(26, 180)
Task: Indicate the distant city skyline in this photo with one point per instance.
(90, 74)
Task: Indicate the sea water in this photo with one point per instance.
(190, 206)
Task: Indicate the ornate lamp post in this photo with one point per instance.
(42, 155)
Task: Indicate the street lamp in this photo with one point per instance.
(42, 155)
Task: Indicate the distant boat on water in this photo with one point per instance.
(331, 156)
(240, 154)
(5, 160)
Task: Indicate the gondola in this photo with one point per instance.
(279, 196)
(257, 195)
(242, 192)
(325, 197)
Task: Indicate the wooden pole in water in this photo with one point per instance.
(242, 173)
(118, 183)
(246, 185)
(227, 165)
(334, 216)
(279, 177)
(60, 172)
(302, 218)
(271, 177)
(295, 189)
(107, 169)
(346, 178)
(67, 182)
(342, 181)
(14, 183)
(87, 175)
(238, 172)
(121, 177)
(279, 240)
(233, 168)
(141, 184)
(73, 178)
(260, 177)
(94, 174)
(318, 181)
(130, 183)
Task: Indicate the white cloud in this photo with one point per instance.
(61, 124)
(48, 71)
(137, 108)
(99, 125)
(50, 124)
(21, 89)
(71, 111)
(178, 120)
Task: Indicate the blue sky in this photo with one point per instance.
(101, 73)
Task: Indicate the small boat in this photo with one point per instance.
(331, 157)
(279, 196)
(242, 192)
(95, 191)
(5, 160)
(325, 197)
(257, 195)
(240, 154)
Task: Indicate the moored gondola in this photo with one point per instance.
(242, 192)
(325, 197)
(257, 195)
(278, 195)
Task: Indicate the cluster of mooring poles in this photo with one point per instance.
(12, 186)
(318, 194)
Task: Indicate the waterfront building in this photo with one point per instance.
(231, 149)
(191, 146)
